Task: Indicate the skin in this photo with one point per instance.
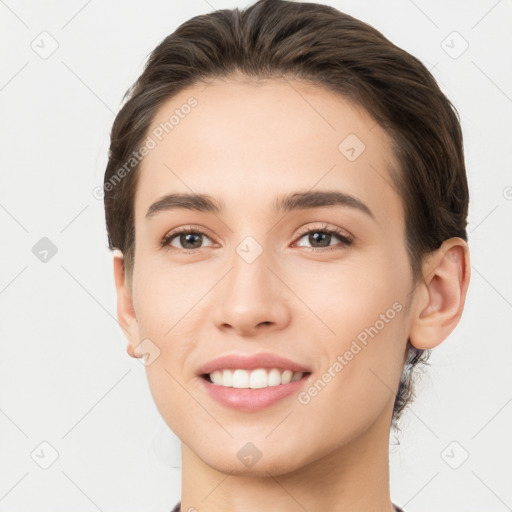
(247, 143)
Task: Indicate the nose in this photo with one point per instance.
(253, 299)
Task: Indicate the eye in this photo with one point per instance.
(324, 236)
(190, 239)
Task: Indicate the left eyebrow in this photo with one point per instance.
(318, 199)
(284, 204)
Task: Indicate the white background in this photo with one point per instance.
(65, 377)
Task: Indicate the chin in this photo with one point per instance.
(275, 464)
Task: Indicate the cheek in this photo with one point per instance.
(347, 297)
(164, 305)
(361, 362)
(165, 298)
(361, 338)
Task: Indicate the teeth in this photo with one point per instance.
(240, 379)
(274, 377)
(296, 376)
(255, 379)
(286, 378)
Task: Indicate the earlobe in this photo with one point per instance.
(125, 310)
(440, 299)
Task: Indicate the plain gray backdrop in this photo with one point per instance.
(78, 427)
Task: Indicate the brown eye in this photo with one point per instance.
(320, 239)
(188, 239)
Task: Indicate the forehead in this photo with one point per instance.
(254, 140)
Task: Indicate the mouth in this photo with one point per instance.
(252, 382)
(258, 378)
(252, 391)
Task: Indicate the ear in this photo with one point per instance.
(125, 310)
(439, 300)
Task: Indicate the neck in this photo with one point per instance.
(351, 478)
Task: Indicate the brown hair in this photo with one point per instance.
(319, 44)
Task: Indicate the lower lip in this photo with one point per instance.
(247, 399)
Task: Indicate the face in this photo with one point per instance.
(323, 282)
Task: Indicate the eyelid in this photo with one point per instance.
(326, 227)
(166, 239)
(345, 237)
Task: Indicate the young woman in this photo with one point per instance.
(287, 195)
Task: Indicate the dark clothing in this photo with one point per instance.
(177, 508)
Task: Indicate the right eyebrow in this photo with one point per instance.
(198, 202)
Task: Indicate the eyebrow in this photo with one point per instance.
(283, 204)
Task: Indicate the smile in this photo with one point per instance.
(253, 379)
(250, 382)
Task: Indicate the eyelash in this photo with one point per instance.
(346, 240)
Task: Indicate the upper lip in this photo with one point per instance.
(251, 362)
